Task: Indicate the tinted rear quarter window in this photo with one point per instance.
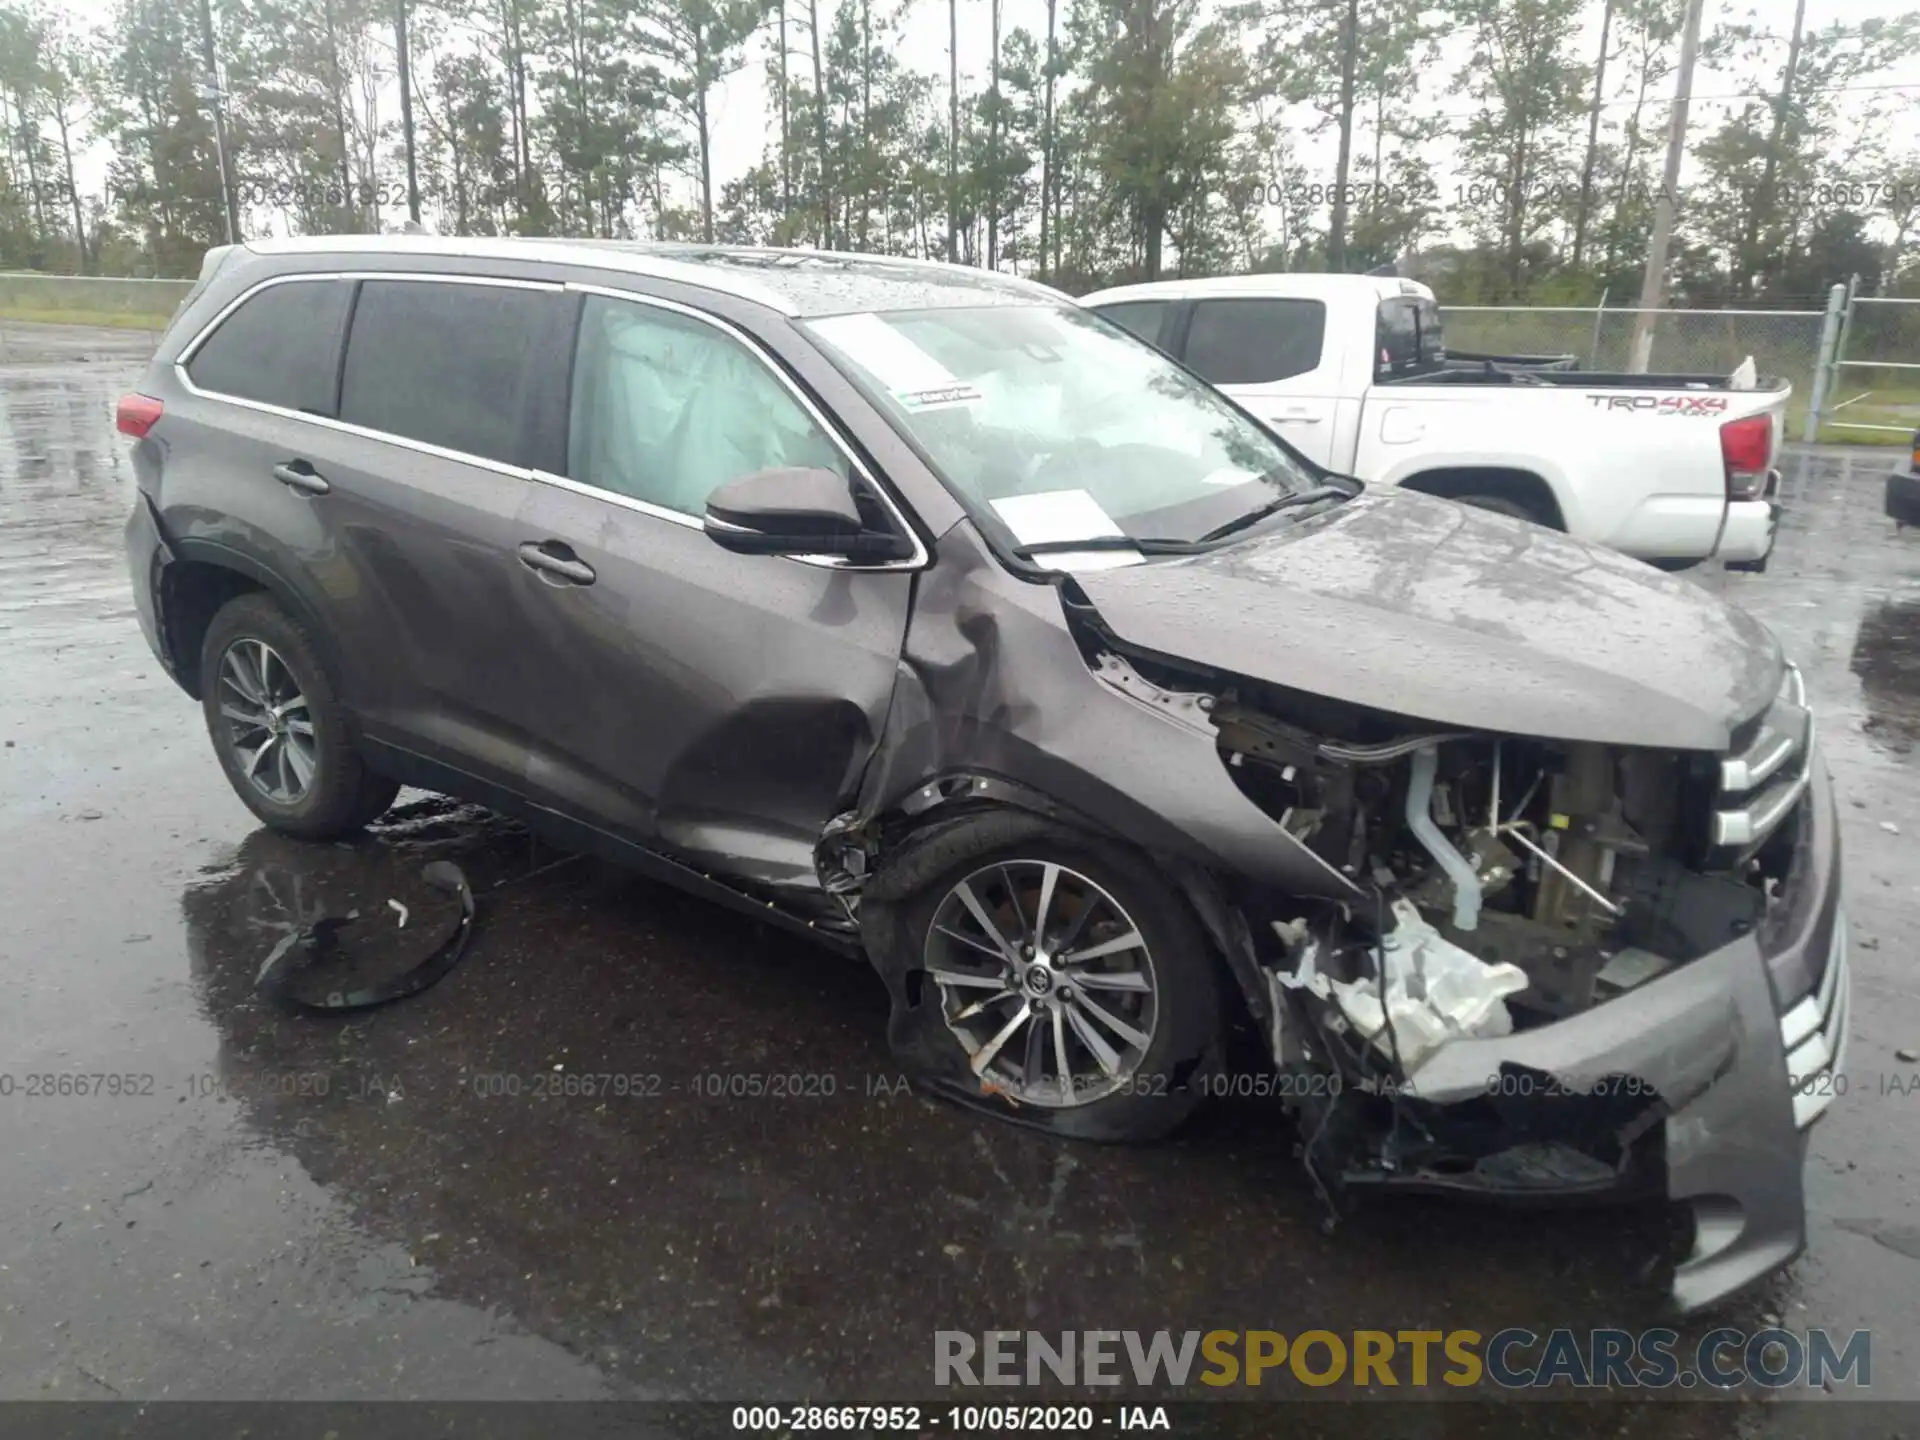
(1145, 319)
(444, 363)
(281, 347)
(1255, 342)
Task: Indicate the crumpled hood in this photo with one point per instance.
(1459, 617)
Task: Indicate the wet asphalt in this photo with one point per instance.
(410, 1204)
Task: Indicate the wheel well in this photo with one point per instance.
(1522, 487)
(191, 594)
(917, 854)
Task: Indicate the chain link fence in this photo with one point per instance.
(1784, 343)
(1874, 382)
(90, 300)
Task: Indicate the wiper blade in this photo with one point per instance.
(1106, 542)
(1274, 507)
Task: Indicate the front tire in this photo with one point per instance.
(279, 729)
(1073, 986)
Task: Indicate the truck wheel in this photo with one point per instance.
(1072, 987)
(280, 733)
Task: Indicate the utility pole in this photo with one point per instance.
(406, 111)
(212, 93)
(1349, 62)
(1654, 289)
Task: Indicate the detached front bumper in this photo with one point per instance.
(1743, 1045)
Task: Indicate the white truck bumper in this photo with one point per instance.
(1746, 540)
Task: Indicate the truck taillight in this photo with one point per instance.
(1745, 448)
(1914, 459)
(136, 414)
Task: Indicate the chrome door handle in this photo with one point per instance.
(566, 566)
(1296, 417)
(298, 475)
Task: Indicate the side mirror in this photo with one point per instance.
(796, 511)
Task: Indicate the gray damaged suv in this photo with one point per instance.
(922, 612)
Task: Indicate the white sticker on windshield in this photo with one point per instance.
(1055, 515)
(911, 375)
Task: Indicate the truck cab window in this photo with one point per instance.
(1255, 342)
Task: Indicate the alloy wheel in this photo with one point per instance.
(1045, 980)
(268, 724)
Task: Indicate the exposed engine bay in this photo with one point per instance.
(1494, 884)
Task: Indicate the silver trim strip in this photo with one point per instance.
(296, 277)
(918, 560)
(1745, 772)
(1744, 827)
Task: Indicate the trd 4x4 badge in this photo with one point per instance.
(1663, 404)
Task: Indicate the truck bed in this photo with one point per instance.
(1489, 374)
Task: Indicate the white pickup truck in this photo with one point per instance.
(1352, 371)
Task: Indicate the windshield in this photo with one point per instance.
(1064, 427)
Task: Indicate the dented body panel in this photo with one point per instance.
(1389, 601)
(796, 736)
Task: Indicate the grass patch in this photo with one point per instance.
(107, 319)
(1899, 408)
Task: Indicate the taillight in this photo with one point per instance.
(135, 414)
(1745, 448)
(1915, 458)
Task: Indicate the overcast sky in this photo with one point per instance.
(743, 123)
(742, 120)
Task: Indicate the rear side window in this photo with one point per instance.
(1255, 342)
(1146, 319)
(444, 363)
(281, 347)
(1407, 338)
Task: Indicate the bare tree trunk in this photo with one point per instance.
(953, 126)
(30, 137)
(1593, 140)
(1349, 62)
(786, 129)
(706, 138)
(339, 112)
(73, 192)
(517, 106)
(866, 113)
(1046, 144)
(1750, 247)
(993, 137)
(405, 65)
(820, 129)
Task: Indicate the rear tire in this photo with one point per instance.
(278, 727)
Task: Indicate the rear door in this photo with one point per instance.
(443, 385)
(724, 704)
(1271, 354)
(261, 383)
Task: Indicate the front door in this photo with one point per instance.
(722, 705)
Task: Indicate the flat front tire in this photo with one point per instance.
(1074, 984)
(278, 727)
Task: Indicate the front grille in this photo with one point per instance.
(1814, 1034)
(1762, 782)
